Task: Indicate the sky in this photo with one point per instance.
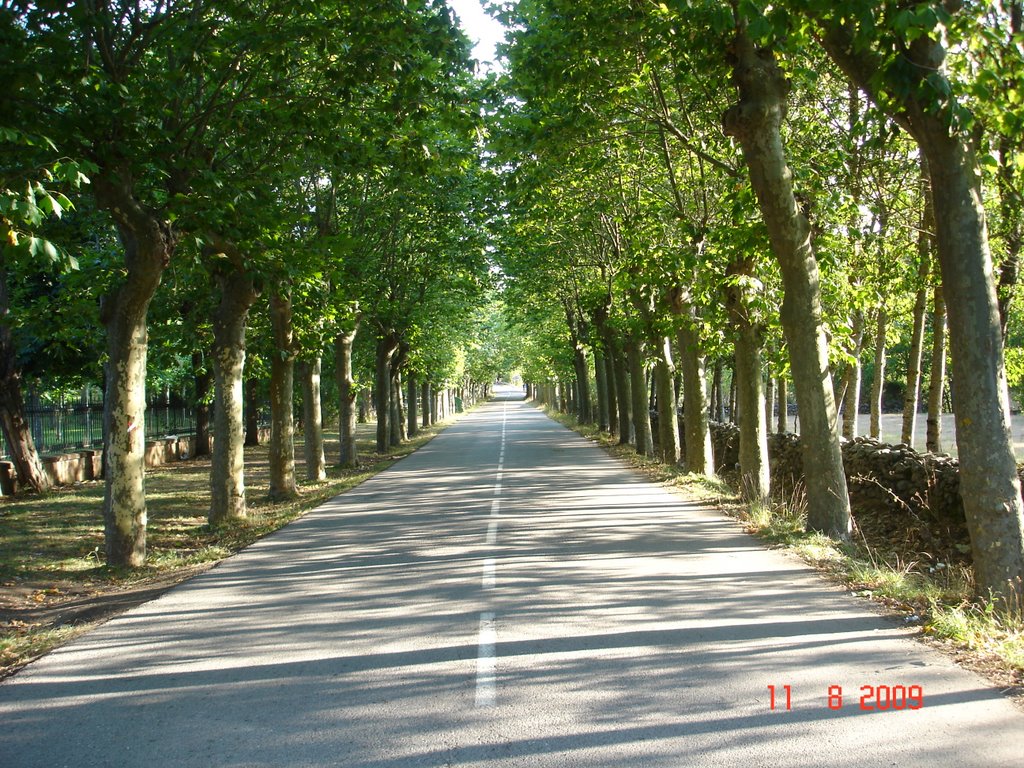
(484, 31)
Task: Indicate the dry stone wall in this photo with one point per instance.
(897, 495)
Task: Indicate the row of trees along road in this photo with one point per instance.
(301, 171)
(790, 184)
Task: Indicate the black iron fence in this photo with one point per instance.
(58, 429)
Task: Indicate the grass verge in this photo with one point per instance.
(940, 601)
(54, 584)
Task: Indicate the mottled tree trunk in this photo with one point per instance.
(755, 480)
(312, 420)
(878, 380)
(17, 433)
(348, 454)
(924, 247)
(203, 378)
(227, 465)
(363, 414)
(282, 388)
(252, 411)
(625, 402)
(769, 401)
(699, 456)
(612, 390)
(638, 388)
(851, 398)
(756, 121)
(601, 385)
(937, 378)
(411, 405)
(387, 345)
(717, 400)
(149, 242)
(989, 484)
(425, 398)
(783, 387)
(668, 419)
(584, 411)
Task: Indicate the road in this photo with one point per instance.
(506, 596)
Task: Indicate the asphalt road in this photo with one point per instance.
(506, 596)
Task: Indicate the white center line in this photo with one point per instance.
(486, 662)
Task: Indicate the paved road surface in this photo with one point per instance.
(507, 596)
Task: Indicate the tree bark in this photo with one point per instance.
(584, 411)
(756, 121)
(227, 466)
(425, 398)
(203, 378)
(413, 429)
(783, 387)
(348, 454)
(769, 402)
(937, 378)
(668, 419)
(387, 345)
(282, 388)
(17, 433)
(149, 243)
(912, 393)
(878, 380)
(624, 399)
(252, 412)
(851, 398)
(989, 484)
(601, 385)
(612, 391)
(638, 388)
(699, 456)
(755, 480)
(312, 420)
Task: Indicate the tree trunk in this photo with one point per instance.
(783, 387)
(638, 388)
(756, 121)
(396, 418)
(312, 420)
(425, 398)
(769, 402)
(387, 345)
(601, 385)
(612, 391)
(911, 395)
(755, 480)
(282, 387)
(989, 484)
(851, 399)
(584, 411)
(203, 378)
(15, 426)
(348, 454)
(362, 401)
(668, 419)
(252, 412)
(717, 400)
(149, 242)
(411, 406)
(227, 466)
(699, 456)
(878, 381)
(937, 378)
(625, 400)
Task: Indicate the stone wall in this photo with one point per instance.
(896, 494)
(79, 466)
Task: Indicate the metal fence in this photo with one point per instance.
(71, 428)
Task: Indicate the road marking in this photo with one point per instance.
(486, 661)
(487, 658)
